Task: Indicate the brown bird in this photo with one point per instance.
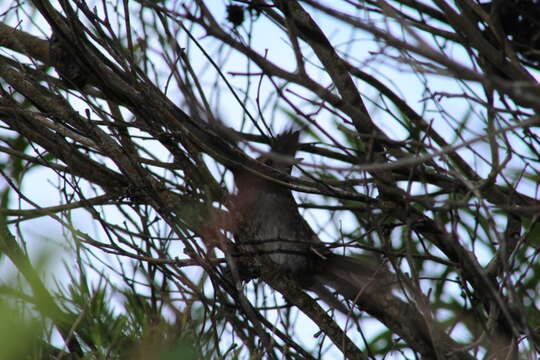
(273, 238)
(273, 234)
(66, 63)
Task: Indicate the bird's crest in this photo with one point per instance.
(286, 143)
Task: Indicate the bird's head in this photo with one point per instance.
(280, 157)
(283, 148)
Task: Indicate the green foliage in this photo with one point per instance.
(107, 323)
(20, 330)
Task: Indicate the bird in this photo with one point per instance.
(62, 57)
(275, 237)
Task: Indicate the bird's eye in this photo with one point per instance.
(268, 162)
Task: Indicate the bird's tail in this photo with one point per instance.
(369, 287)
(353, 278)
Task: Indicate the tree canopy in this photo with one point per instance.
(420, 150)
